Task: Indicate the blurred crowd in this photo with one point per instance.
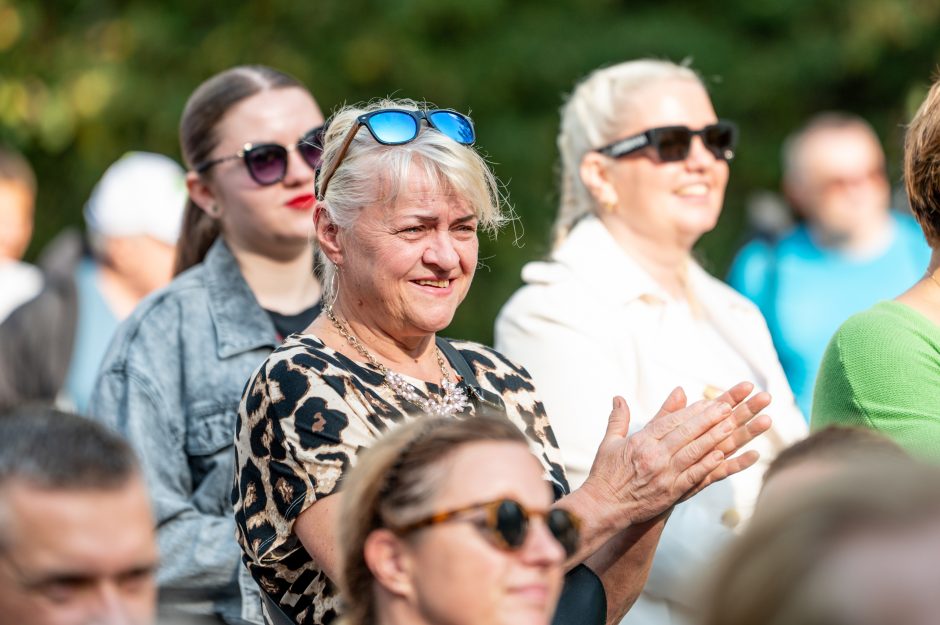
(227, 398)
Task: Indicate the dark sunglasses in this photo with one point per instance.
(506, 523)
(400, 126)
(672, 143)
(267, 162)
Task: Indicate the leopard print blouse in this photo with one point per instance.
(305, 415)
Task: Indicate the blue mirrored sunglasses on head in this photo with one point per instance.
(400, 126)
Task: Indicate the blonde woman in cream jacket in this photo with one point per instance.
(621, 307)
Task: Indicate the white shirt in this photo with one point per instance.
(19, 283)
(591, 323)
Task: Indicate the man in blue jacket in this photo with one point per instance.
(849, 251)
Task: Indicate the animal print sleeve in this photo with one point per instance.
(296, 438)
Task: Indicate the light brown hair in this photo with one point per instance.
(922, 165)
(838, 445)
(205, 108)
(773, 573)
(393, 483)
(15, 168)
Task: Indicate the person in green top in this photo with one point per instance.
(882, 368)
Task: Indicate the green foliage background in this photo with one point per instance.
(83, 81)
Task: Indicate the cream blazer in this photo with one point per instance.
(591, 323)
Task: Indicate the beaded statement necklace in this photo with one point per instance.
(453, 400)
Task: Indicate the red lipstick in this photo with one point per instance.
(302, 202)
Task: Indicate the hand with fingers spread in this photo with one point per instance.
(683, 449)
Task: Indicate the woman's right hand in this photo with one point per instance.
(679, 452)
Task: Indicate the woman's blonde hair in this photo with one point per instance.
(773, 573)
(372, 173)
(591, 117)
(393, 483)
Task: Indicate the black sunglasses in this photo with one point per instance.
(672, 143)
(506, 523)
(267, 162)
(400, 126)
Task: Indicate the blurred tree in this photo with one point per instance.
(83, 81)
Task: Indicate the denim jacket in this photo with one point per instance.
(171, 382)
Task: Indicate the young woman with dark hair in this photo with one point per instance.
(174, 373)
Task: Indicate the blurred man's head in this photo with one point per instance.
(825, 453)
(77, 539)
(133, 218)
(17, 198)
(834, 175)
(859, 548)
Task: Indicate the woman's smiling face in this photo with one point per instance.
(669, 202)
(407, 267)
(459, 577)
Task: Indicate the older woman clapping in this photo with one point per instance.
(402, 195)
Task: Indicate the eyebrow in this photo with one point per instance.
(41, 578)
(434, 219)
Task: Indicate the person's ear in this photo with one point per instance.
(391, 561)
(595, 174)
(202, 195)
(328, 235)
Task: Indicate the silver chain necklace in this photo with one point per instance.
(453, 400)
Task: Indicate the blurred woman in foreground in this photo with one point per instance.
(451, 522)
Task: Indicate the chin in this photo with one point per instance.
(432, 318)
(527, 615)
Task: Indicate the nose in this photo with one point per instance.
(111, 607)
(541, 548)
(699, 156)
(298, 172)
(441, 251)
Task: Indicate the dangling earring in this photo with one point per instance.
(333, 291)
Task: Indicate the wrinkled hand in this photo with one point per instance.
(681, 450)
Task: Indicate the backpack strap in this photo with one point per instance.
(459, 363)
(275, 615)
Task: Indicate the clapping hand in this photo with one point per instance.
(682, 450)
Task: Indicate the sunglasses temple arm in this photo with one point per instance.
(339, 158)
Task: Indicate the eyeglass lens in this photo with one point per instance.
(393, 127)
(512, 523)
(311, 148)
(267, 164)
(454, 126)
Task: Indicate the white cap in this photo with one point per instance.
(142, 193)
